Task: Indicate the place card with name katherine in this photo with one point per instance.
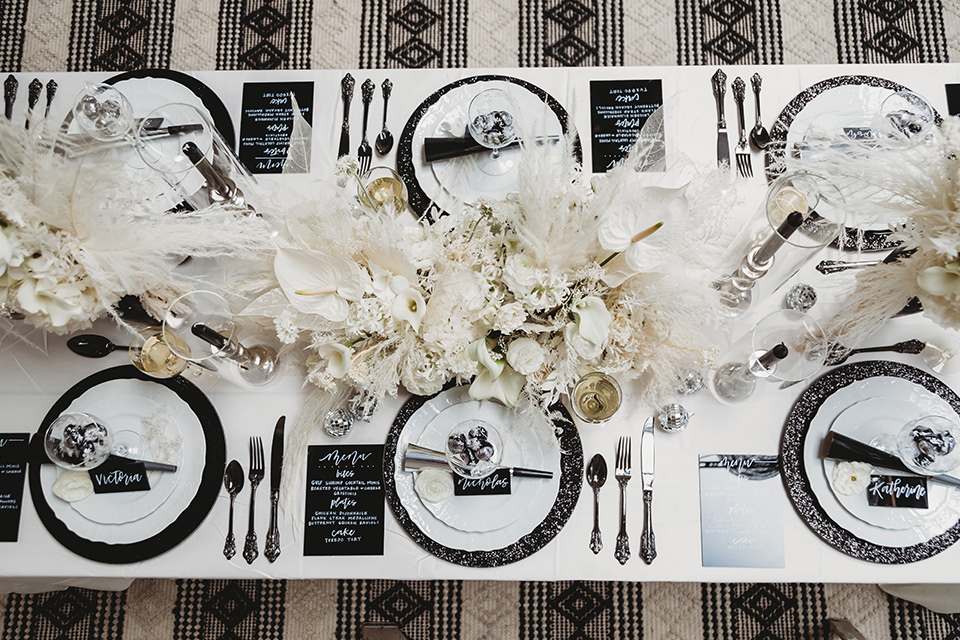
(13, 464)
(344, 511)
(266, 122)
(618, 110)
(741, 503)
(897, 491)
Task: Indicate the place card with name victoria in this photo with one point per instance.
(495, 484)
(266, 123)
(117, 476)
(618, 111)
(13, 465)
(345, 505)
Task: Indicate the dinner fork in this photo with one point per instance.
(744, 167)
(622, 552)
(365, 153)
(257, 466)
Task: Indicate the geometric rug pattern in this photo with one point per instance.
(466, 610)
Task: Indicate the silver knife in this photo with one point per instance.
(346, 92)
(648, 545)
(719, 91)
(271, 548)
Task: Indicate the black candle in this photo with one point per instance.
(774, 355)
(775, 241)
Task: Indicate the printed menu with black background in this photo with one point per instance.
(266, 122)
(344, 513)
(13, 465)
(618, 110)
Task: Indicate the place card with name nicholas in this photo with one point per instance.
(345, 505)
(897, 491)
(741, 511)
(495, 484)
(266, 123)
(13, 464)
(618, 110)
(116, 476)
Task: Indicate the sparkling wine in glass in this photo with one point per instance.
(491, 122)
(381, 186)
(150, 353)
(596, 397)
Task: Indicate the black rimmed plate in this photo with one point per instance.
(448, 105)
(842, 102)
(806, 483)
(167, 527)
(495, 548)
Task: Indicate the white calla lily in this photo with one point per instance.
(580, 345)
(6, 249)
(34, 300)
(505, 387)
(319, 283)
(645, 224)
(593, 319)
(940, 281)
(338, 358)
(409, 306)
(480, 353)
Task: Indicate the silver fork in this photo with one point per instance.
(257, 465)
(365, 153)
(744, 166)
(622, 552)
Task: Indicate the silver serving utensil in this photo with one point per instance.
(839, 355)
(250, 552)
(385, 140)
(596, 477)
(364, 152)
(759, 136)
(719, 81)
(622, 552)
(826, 267)
(233, 483)
(346, 94)
(648, 545)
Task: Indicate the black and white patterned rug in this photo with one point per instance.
(454, 610)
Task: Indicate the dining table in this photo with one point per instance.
(37, 373)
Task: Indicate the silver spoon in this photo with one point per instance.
(385, 140)
(233, 482)
(596, 476)
(759, 136)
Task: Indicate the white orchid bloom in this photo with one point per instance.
(34, 300)
(338, 358)
(481, 354)
(940, 281)
(645, 225)
(593, 319)
(409, 306)
(505, 387)
(319, 283)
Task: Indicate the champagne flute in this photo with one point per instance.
(491, 121)
(150, 353)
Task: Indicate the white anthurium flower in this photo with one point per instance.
(940, 281)
(337, 356)
(593, 319)
(645, 225)
(506, 387)
(481, 354)
(525, 355)
(409, 306)
(319, 283)
(6, 249)
(35, 300)
(580, 345)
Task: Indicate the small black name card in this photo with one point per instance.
(344, 511)
(495, 484)
(897, 491)
(13, 464)
(953, 99)
(618, 110)
(267, 122)
(116, 476)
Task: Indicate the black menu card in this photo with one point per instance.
(266, 122)
(13, 465)
(618, 110)
(344, 512)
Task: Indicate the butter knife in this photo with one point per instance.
(719, 91)
(271, 547)
(346, 92)
(648, 546)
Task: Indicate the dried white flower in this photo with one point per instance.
(287, 331)
(851, 478)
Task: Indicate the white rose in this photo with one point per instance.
(433, 485)
(422, 383)
(73, 486)
(525, 355)
(851, 478)
(509, 317)
(519, 274)
(581, 346)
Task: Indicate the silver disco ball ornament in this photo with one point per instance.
(338, 422)
(673, 417)
(801, 297)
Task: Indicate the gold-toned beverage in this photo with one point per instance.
(386, 190)
(596, 397)
(154, 356)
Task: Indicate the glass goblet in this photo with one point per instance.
(928, 445)
(103, 113)
(491, 122)
(78, 441)
(907, 114)
(595, 397)
(474, 449)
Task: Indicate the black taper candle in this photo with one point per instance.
(774, 355)
(208, 335)
(776, 240)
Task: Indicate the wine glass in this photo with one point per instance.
(150, 353)
(928, 445)
(908, 114)
(382, 186)
(474, 449)
(78, 441)
(595, 397)
(491, 122)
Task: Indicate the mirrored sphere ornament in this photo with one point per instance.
(801, 297)
(673, 417)
(363, 406)
(338, 422)
(691, 383)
